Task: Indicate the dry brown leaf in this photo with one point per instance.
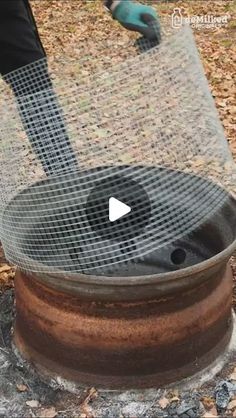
(164, 402)
(175, 392)
(21, 388)
(126, 158)
(4, 268)
(211, 414)
(32, 404)
(198, 162)
(208, 402)
(232, 404)
(232, 110)
(233, 375)
(7, 272)
(87, 411)
(90, 395)
(175, 399)
(47, 413)
(84, 407)
(221, 103)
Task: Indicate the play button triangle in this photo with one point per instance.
(117, 209)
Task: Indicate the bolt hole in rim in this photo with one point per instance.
(178, 256)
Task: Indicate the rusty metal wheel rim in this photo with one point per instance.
(147, 279)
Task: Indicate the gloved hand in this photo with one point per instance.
(137, 17)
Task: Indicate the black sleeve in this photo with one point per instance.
(109, 3)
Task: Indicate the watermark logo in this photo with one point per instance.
(198, 22)
(177, 18)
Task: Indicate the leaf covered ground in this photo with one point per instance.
(66, 25)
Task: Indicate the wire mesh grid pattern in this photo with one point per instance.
(150, 119)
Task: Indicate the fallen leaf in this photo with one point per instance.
(233, 375)
(4, 268)
(32, 404)
(232, 110)
(221, 103)
(88, 397)
(198, 162)
(232, 404)
(22, 388)
(126, 158)
(164, 402)
(208, 402)
(211, 414)
(175, 393)
(101, 133)
(47, 413)
(175, 399)
(91, 394)
(87, 411)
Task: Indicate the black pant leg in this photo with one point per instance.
(19, 41)
(38, 106)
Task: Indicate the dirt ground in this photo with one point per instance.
(64, 25)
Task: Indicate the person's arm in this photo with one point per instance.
(136, 17)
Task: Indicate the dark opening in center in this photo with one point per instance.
(178, 256)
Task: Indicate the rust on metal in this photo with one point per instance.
(125, 340)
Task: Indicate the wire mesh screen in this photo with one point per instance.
(145, 132)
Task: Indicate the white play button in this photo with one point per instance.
(117, 209)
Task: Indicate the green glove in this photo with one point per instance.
(138, 17)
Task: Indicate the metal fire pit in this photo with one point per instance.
(146, 322)
(153, 306)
